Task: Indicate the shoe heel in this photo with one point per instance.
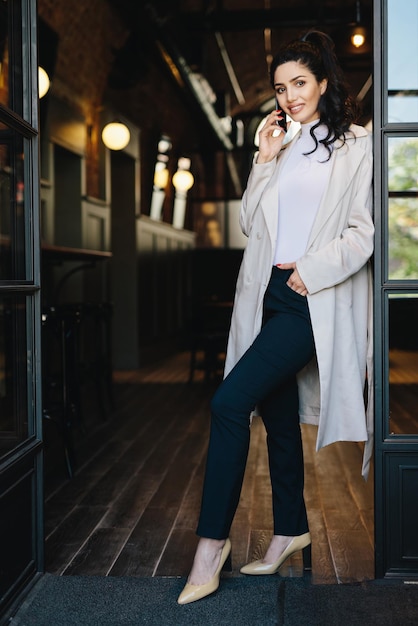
(307, 558)
(227, 566)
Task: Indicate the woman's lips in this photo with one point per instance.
(295, 109)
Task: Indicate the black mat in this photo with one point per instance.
(241, 601)
(111, 601)
(377, 603)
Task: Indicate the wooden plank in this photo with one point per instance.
(352, 556)
(65, 542)
(84, 482)
(322, 566)
(368, 521)
(259, 542)
(323, 571)
(177, 558)
(188, 514)
(96, 556)
(141, 553)
(163, 506)
(124, 511)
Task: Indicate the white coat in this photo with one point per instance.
(335, 271)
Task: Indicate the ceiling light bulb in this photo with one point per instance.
(116, 136)
(43, 80)
(183, 180)
(358, 39)
(160, 175)
(164, 145)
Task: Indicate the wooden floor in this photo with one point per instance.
(131, 508)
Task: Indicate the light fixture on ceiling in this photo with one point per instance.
(358, 37)
(161, 171)
(161, 176)
(43, 82)
(183, 181)
(116, 136)
(164, 145)
(358, 32)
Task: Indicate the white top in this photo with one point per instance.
(303, 180)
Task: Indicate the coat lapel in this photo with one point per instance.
(342, 173)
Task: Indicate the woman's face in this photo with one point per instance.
(298, 91)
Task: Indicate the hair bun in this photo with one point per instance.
(318, 39)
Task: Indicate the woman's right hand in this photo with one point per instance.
(271, 138)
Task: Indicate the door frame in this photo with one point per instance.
(21, 471)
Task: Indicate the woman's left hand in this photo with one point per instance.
(295, 282)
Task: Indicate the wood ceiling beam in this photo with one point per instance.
(256, 19)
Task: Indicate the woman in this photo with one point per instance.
(299, 340)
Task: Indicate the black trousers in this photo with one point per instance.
(265, 377)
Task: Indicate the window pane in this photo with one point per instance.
(402, 61)
(12, 225)
(11, 57)
(13, 372)
(4, 54)
(403, 207)
(403, 364)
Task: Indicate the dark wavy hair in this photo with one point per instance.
(337, 109)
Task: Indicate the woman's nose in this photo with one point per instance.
(290, 95)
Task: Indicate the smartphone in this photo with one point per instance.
(282, 123)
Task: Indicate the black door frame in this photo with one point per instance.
(396, 456)
(21, 480)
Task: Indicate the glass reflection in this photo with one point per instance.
(12, 226)
(13, 372)
(11, 67)
(403, 364)
(4, 54)
(403, 207)
(402, 61)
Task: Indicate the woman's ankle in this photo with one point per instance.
(278, 545)
(206, 560)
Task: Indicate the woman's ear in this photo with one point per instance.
(323, 86)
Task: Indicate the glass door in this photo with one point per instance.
(20, 401)
(396, 287)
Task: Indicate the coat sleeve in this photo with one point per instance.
(258, 179)
(350, 250)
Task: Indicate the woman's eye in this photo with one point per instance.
(280, 90)
(300, 83)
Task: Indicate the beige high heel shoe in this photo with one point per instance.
(191, 593)
(258, 568)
